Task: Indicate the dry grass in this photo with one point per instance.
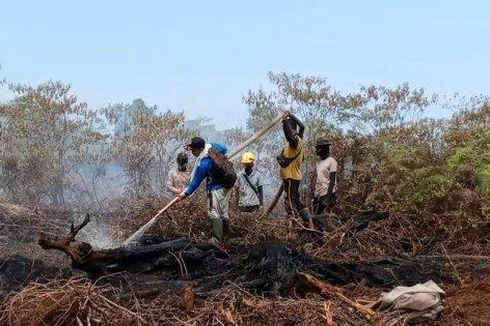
(65, 302)
(81, 302)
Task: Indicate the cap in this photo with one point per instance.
(196, 143)
(322, 142)
(248, 157)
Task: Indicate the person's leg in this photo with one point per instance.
(330, 202)
(214, 215)
(223, 205)
(296, 196)
(298, 206)
(316, 202)
(322, 204)
(288, 206)
(289, 198)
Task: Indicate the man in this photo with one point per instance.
(290, 161)
(250, 190)
(178, 177)
(326, 178)
(218, 195)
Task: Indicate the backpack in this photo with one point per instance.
(224, 172)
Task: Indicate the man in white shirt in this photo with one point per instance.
(326, 179)
(250, 191)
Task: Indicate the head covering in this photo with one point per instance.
(182, 158)
(248, 157)
(196, 143)
(322, 142)
(322, 147)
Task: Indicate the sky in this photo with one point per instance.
(201, 57)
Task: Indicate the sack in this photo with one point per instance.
(284, 161)
(223, 173)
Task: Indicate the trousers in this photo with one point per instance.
(292, 197)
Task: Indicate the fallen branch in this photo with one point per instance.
(324, 288)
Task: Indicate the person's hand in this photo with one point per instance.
(181, 196)
(285, 114)
(176, 192)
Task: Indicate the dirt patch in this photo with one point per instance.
(468, 305)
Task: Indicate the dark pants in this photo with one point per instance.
(323, 203)
(292, 198)
(248, 209)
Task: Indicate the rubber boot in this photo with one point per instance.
(217, 228)
(226, 227)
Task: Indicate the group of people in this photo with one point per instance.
(249, 184)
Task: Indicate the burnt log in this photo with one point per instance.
(96, 262)
(266, 267)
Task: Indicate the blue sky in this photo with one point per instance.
(201, 56)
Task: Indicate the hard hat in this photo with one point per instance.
(248, 157)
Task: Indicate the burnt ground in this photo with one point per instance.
(468, 304)
(264, 267)
(21, 259)
(17, 270)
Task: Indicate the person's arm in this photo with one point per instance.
(332, 177)
(260, 190)
(299, 123)
(331, 184)
(199, 175)
(291, 138)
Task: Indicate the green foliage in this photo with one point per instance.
(426, 185)
(459, 156)
(484, 178)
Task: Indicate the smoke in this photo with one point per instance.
(98, 233)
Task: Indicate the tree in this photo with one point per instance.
(45, 133)
(357, 123)
(146, 143)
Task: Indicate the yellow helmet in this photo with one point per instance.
(248, 157)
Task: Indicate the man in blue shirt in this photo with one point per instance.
(218, 196)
